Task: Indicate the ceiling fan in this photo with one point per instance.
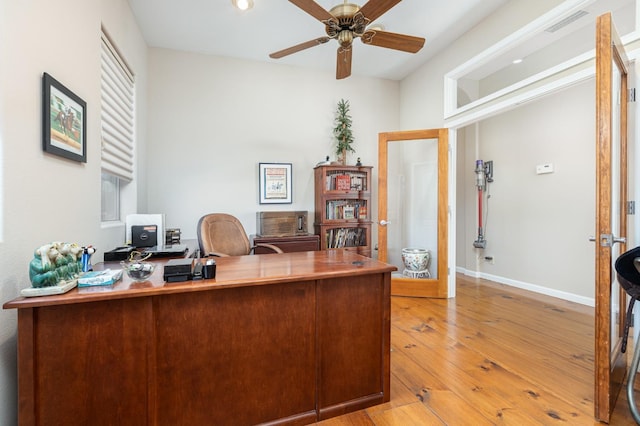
(346, 22)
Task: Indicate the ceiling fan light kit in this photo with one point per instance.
(348, 21)
(345, 38)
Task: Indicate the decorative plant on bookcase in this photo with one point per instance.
(342, 131)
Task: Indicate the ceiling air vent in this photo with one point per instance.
(566, 21)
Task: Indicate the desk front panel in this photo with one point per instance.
(88, 364)
(353, 340)
(248, 353)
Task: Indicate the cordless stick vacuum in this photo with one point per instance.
(480, 242)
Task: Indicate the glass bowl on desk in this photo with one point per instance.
(137, 268)
(138, 271)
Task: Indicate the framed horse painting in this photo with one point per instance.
(64, 121)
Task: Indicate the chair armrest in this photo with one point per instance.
(271, 247)
(216, 254)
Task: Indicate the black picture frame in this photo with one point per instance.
(64, 121)
(275, 183)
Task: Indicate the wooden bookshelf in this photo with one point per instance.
(342, 216)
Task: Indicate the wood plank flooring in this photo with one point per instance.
(494, 355)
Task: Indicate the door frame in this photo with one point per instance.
(418, 287)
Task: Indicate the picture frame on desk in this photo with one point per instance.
(64, 121)
(275, 183)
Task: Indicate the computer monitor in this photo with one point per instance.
(143, 220)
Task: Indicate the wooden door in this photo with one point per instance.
(611, 219)
(425, 160)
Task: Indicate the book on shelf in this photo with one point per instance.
(343, 182)
(346, 237)
(346, 209)
(362, 212)
(356, 183)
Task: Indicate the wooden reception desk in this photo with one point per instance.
(281, 338)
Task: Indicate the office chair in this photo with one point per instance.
(628, 271)
(221, 234)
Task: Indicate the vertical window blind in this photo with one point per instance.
(117, 113)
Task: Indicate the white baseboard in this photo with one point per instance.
(467, 272)
(588, 301)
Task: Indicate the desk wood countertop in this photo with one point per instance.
(234, 271)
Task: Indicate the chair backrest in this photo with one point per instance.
(628, 274)
(222, 233)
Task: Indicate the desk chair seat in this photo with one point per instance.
(221, 234)
(628, 271)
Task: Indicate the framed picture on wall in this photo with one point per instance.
(275, 183)
(64, 121)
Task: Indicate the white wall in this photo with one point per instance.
(538, 226)
(212, 120)
(46, 198)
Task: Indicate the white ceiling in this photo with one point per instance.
(215, 27)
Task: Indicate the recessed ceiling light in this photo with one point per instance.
(517, 61)
(243, 4)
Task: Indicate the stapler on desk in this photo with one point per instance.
(197, 270)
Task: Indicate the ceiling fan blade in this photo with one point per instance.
(298, 47)
(403, 42)
(373, 9)
(343, 67)
(313, 9)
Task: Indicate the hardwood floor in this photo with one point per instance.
(493, 355)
